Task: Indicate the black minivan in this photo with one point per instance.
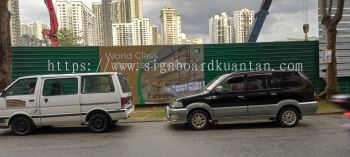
(283, 96)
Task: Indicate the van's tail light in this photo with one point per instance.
(347, 114)
(315, 96)
(124, 101)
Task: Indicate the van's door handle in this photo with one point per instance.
(273, 94)
(46, 100)
(241, 97)
(31, 100)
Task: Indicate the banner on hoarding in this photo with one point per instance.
(156, 73)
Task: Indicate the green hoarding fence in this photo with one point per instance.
(44, 60)
(270, 55)
(54, 60)
(344, 85)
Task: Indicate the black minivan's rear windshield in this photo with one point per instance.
(123, 83)
(287, 79)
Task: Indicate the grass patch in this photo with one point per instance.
(326, 107)
(149, 113)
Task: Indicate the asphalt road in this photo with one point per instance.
(315, 136)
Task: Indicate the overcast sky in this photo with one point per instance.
(284, 21)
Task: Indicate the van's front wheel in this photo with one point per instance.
(198, 120)
(99, 123)
(21, 126)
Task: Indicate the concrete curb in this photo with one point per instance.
(142, 121)
(329, 113)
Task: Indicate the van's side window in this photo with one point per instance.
(65, 86)
(22, 87)
(97, 84)
(257, 82)
(272, 82)
(235, 84)
(123, 83)
(287, 79)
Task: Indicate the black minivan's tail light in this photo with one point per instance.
(315, 96)
(124, 101)
(347, 114)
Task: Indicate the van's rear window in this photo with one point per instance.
(123, 83)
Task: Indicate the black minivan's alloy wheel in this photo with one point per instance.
(198, 120)
(288, 117)
(21, 126)
(99, 123)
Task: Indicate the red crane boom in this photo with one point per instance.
(51, 33)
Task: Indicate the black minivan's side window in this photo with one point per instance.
(22, 87)
(97, 84)
(257, 82)
(64, 86)
(287, 79)
(234, 84)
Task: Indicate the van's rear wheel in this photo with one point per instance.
(99, 123)
(288, 117)
(21, 126)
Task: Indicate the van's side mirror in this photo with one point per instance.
(2, 94)
(219, 89)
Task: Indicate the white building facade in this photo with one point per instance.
(75, 16)
(220, 29)
(135, 33)
(243, 23)
(15, 23)
(170, 26)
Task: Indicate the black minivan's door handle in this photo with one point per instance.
(273, 94)
(241, 97)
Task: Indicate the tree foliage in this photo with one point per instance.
(67, 38)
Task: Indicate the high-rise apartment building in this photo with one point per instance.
(15, 23)
(75, 16)
(38, 28)
(33, 29)
(170, 26)
(27, 29)
(135, 33)
(122, 34)
(117, 14)
(243, 22)
(134, 9)
(154, 37)
(220, 29)
(118, 11)
(97, 10)
(141, 31)
(195, 40)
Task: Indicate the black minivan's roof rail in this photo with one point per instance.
(263, 72)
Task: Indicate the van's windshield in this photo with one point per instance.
(215, 81)
(124, 83)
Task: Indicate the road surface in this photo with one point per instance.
(319, 136)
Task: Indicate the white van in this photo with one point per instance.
(98, 100)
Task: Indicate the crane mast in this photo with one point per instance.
(51, 33)
(260, 17)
